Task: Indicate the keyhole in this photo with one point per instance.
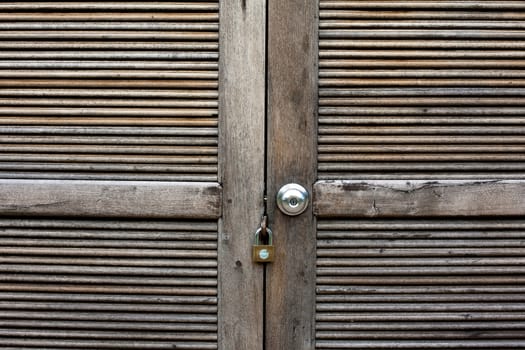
(292, 199)
(264, 254)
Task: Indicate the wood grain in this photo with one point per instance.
(397, 281)
(123, 199)
(419, 198)
(439, 69)
(241, 171)
(162, 78)
(292, 118)
(59, 294)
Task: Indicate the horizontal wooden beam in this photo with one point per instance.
(123, 199)
(397, 198)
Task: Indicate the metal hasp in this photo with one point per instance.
(292, 199)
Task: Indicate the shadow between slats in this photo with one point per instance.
(162, 294)
(151, 68)
(420, 284)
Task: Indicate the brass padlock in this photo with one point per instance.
(263, 253)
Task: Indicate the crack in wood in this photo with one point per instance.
(37, 205)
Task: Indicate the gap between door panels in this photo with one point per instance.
(265, 200)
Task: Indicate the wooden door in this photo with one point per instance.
(132, 174)
(405, 121)
(139, 141)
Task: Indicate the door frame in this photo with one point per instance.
(242, 63)
(267, 137)
(292, 158)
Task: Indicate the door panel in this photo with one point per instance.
(291, 153)
(420, 284)
(106, 284)
(419, 175)
(111, 185)
(421, 89)
(242, 175)
(114, 91)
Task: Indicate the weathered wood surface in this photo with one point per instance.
(391, 283)
(419, 198)
(106, 75)
(292, 124)
(241, 171)
(102, 284)
(123, 199)
(400, 79)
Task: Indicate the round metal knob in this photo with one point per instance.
(292, 199)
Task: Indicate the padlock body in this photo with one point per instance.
(263, 253)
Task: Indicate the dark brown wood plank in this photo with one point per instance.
(123, 199)
(241, 171)
(419, 198)
(292, 118)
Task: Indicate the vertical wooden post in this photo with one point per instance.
(292, 125)
(241, 152)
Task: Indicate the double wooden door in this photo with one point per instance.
(142, 143)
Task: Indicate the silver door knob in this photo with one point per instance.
(292, 199)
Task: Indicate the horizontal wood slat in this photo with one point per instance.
(398, 198)
(79, 302)
(423, 4)
(151, 67)
(420, 284)
(401, 78)
(124, 199)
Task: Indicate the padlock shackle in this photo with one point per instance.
(258, 236)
